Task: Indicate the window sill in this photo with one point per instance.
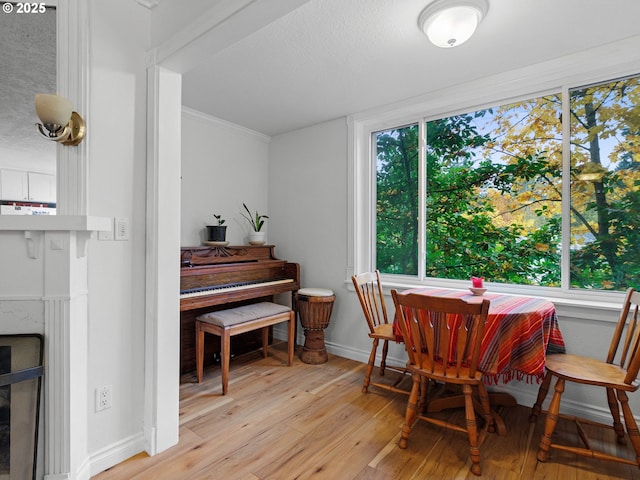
(596, 305)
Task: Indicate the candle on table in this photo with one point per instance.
(476, 282)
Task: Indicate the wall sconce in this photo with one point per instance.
(61, 123)
(449, 23)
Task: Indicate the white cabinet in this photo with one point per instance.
(14, 185)
(27, 186)
(42, 187)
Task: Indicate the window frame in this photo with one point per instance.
(557, 76)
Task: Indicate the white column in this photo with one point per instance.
(162, 319)
(65, 304)
(73, 82)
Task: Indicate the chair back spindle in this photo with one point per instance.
(370, 294)
(369, 290)
(442, 335)
(629, 327)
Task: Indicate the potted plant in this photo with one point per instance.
(256, 236)
(217, 233)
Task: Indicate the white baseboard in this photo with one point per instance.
(362, 355)
(116, 453)
(526, 394)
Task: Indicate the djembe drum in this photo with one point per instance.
(314, 307)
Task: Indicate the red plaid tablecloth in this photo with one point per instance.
(519, 333)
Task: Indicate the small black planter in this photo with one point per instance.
(216, 233)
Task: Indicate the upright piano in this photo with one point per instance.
(214, 278)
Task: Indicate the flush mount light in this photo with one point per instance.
(61, 123)
(449, 23)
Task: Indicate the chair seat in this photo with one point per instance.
(384, 331)
(243, 314)
(590, 371)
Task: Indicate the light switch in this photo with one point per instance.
(122, 228)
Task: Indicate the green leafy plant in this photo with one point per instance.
(219, 219)
(256, 221)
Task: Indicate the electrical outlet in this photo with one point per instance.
(103, 398)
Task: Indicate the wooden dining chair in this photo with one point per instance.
(617, 375)
(369, 290)
(443, 337)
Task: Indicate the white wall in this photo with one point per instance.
(308, 199)
(223, 165)
(28, 160)
(116, 133)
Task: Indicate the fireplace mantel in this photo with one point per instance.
(34, 226)
(54, 222)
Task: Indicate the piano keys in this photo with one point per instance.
(213, 278)
(228, 288)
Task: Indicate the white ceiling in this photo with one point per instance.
(27, 67)
(330, 58)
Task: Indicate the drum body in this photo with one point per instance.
(314, 307)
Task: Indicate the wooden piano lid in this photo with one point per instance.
(212, 255)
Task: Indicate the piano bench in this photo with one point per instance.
(234, 321)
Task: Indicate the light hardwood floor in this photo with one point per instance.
(313, 421)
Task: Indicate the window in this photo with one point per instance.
(397, 200)
(605, 185)
(488, 187)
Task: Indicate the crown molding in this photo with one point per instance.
(225, 124)
(150, 4)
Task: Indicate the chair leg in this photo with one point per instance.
(372, 358)
(225, 351)
(383, 363)
(199, 352)
(542, 394)
(615, 414)
(486, 406)
(265, 341)
(472, 429)
(424, 392)
(552, 420)
(412, 413)
(630, 421)
(291, 336)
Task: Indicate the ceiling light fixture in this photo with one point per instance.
(61, 123)
(449, 23)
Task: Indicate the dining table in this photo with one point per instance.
(520, 331)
